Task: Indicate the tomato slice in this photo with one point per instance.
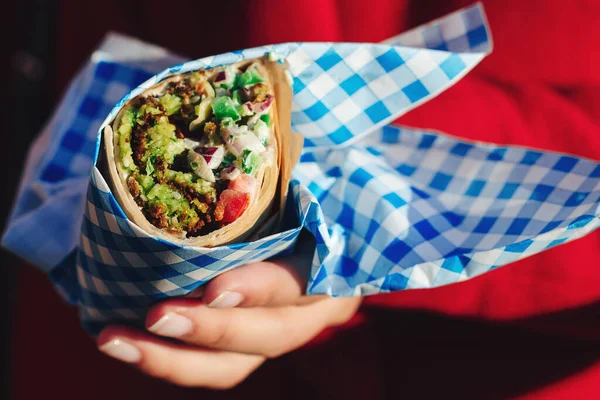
(234, 204)
(244, 183)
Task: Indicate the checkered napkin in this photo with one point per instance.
(390, 208)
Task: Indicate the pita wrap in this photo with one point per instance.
(204, 158)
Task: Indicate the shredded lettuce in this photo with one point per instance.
(124, 131)
(176, 205)
(247, 78)
(223, 107)
(171, 103)
(160, 143)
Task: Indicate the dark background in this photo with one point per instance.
(28, 29)
(41, 53)
(35, 79)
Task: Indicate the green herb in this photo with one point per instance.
(228, 160)
(250, 162)
(135, 114)
(236, 97)
(194, 165)
(171, 103)
(266, 118)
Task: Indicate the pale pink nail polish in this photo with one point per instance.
(172, 325)
(122, 351)
(227, 300)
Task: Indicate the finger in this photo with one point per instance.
(266, 331)
(265, 283)
(177, 363)
(270, 283)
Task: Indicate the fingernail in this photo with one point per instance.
(227, 300)
(172, 325)
(122, 351)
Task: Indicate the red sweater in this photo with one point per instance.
(494, 336)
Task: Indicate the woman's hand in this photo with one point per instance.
(244, 317)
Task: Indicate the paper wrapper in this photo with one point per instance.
(390, 208)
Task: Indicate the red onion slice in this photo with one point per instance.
(212, 154)
(229, 133)
(247, 141)
(263, 105)
(221, 76)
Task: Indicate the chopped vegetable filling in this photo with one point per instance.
(192, 152)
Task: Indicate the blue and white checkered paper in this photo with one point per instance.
(390, 208)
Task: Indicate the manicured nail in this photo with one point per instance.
(172, 325)
(122, 351)
(227, 300)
